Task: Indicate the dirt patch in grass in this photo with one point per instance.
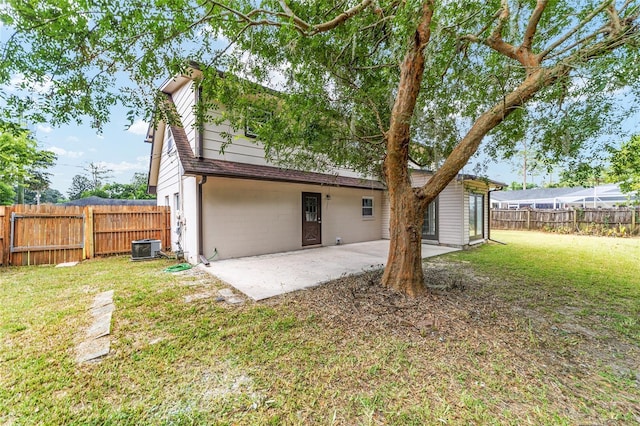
(587, 370)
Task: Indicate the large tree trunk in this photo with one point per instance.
(404, 264)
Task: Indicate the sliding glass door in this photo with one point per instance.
(476, 216)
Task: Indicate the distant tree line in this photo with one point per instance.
(94, 183)
(24, 178)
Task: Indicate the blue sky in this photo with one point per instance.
(118, 149)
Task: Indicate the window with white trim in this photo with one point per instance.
(254, 119)
(176, 201)
(170, 142)
(367, 207)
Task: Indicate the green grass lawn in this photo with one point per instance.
(543, 330)
(595, 274)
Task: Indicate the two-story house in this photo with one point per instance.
(230, 201)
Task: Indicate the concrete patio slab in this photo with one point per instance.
(261, 277)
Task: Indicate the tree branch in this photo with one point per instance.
(299, 22)
(344, 16)
(582, 41)
(484, 124)
(532, 26)
(542, 55)
(503, 16)
(411, 72)
(495, 40)
(374, 108)
(616, 26)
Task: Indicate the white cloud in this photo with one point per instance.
(141, 164)
(139, 127)
(19, 80)
(61, 152)
(44, 129)
(73, 139)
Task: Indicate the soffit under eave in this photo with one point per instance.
(176, 82)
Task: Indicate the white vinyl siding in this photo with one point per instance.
(184, 99)
(450, 215)
(386, 215)
(241, 149)
(453, 215)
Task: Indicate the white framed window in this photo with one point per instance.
(367, 207)
(170, 142)
(176, 201)
(253, 120)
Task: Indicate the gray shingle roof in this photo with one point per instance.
(533, 194)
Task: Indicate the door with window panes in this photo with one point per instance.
(311, 218)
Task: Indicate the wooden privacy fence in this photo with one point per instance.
(617, 221)
(47, 234)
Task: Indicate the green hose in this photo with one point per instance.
(178, 268)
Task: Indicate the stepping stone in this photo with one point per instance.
(106, 309)
(230, 297)
(101, 327)
(66, 264)
(102, 299)
(226, 292)
(93, 349)
(198, 296)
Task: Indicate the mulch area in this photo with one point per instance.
(462, 307)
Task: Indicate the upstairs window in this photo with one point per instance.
(170, 142)
(254, 119)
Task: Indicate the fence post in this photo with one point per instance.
(89, 249)
(575, 219)
(5, 238)
(528, 220)
(633, 220)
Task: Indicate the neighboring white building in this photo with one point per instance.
(606, 196)
(234, 203)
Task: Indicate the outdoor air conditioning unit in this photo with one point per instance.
(144, 249)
